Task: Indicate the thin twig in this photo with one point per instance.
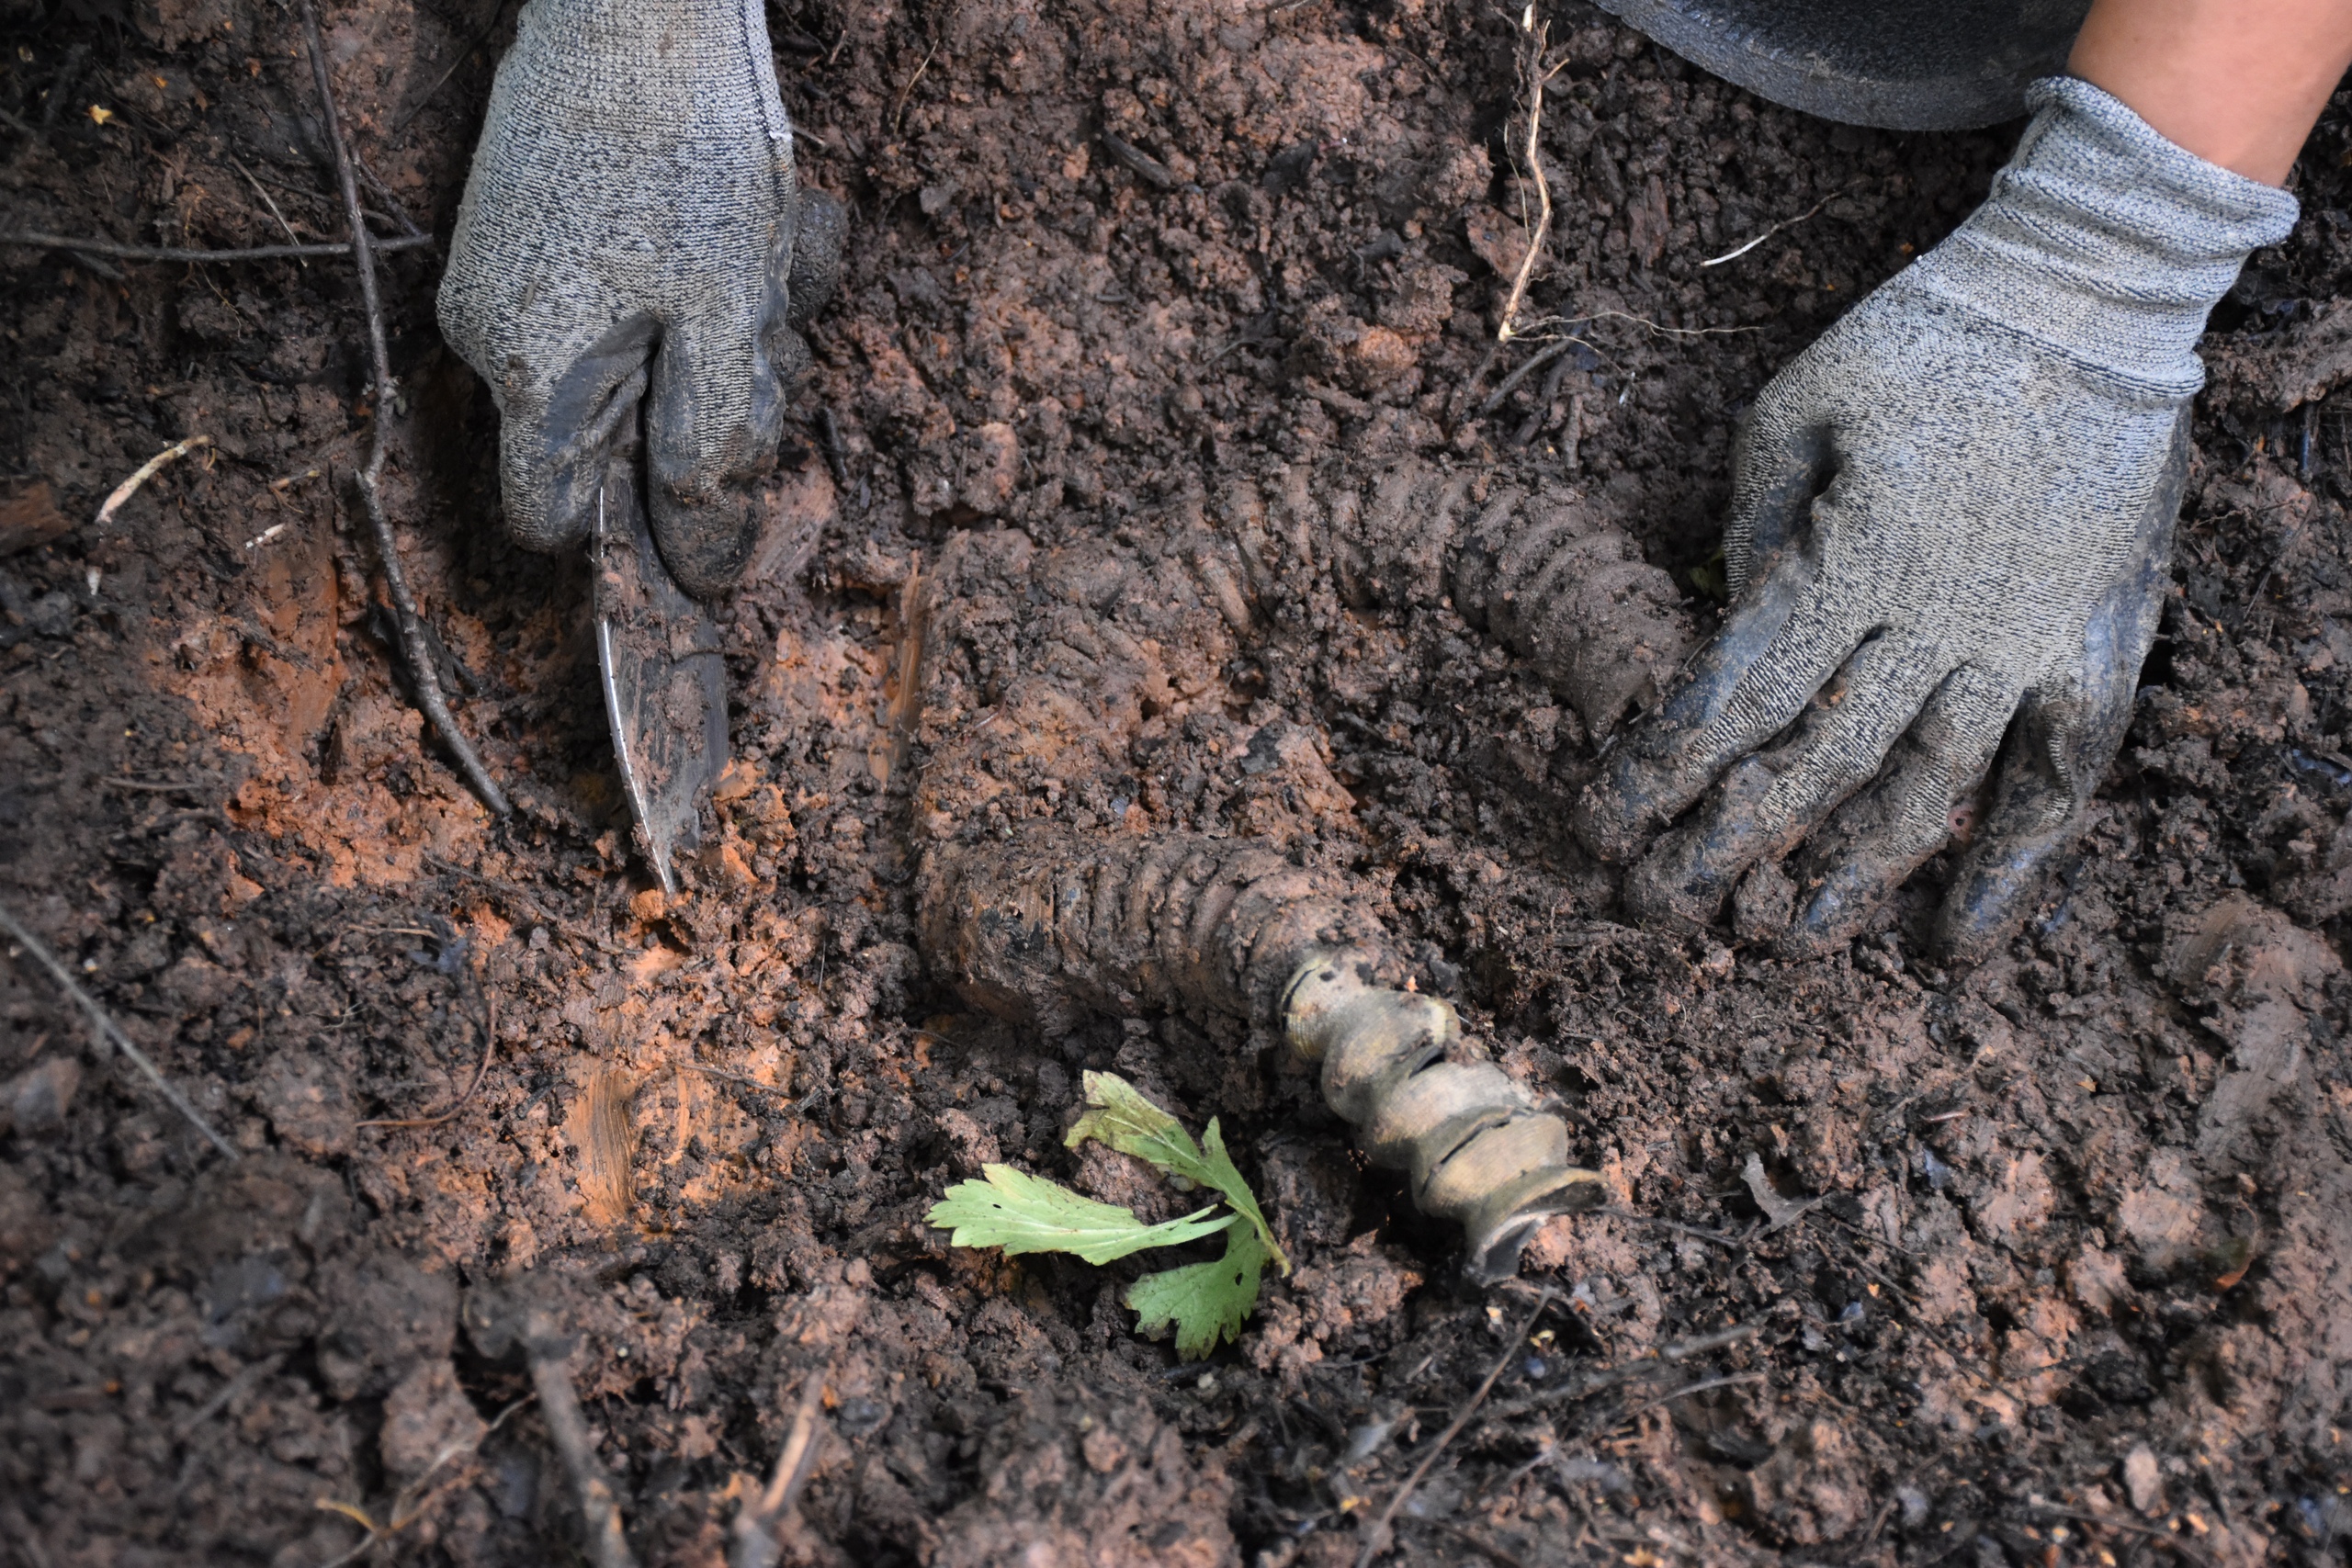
(1733, 1242)
(2128, 1526)
(271, 202)
(145, 471)
(1700, 1344)
(1703, 1386)
(1598, 1382)
(1382, 1534)
(778, 1090)
(182, 253)
(1538, 36)
(479, 39)
(161, 786)
(756, 1526)
(899, 108)
(109, 1031)
(488, 1046)
(1468, 390)
(413, 647)
(608, 1547)
(409, 1506)
(1481, 1545)
(1509, 383)
(1739, 251)
(399, 213)
(245, 1379)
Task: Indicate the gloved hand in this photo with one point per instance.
(633, 233)
(2002, 429)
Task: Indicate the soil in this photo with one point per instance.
(1144, 302)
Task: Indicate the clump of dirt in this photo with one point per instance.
(1177, 472)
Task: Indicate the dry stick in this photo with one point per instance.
(109, 1031)
(1382, 1534)
(756, 1526)
(607, 1548)
(181, 254)
(1538, 36)
(413, 648)
(488, 1046)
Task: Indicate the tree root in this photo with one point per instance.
(1055, 926)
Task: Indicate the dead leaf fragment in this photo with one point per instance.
(29, 518)
(1779, 1211)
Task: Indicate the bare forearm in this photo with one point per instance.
(2239, 83)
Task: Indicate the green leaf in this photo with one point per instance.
(1025, 1213)
(1205, 1302)
(1228, 1181)
(1121, 1117)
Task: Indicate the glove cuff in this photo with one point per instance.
(2106, 241)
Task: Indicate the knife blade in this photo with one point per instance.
(664, 680)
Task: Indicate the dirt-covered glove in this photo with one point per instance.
(1953, 512)
(633, 233)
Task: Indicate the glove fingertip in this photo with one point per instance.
(1606, 822)
(706, 546)
(1984, 905)
(818, 229)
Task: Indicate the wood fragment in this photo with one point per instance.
(828, 440)
(607, 1183)
(30, 517)
(1140, 163)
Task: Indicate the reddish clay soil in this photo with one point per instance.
(1145, 302)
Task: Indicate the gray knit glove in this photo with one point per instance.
(1951, 512)
(626, 238)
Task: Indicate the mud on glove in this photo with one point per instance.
(633, 235)
(1951, 520)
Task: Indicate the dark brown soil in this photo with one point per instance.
(2046, 1262)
